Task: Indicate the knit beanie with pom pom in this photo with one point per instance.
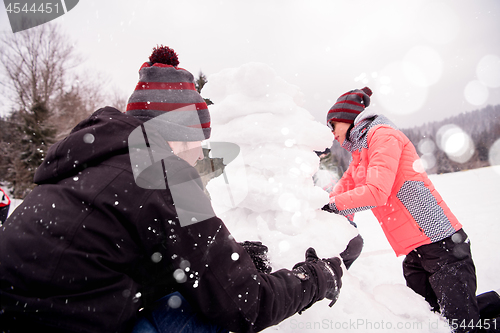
(168, 94)
(349, 105)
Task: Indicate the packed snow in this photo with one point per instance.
(280, 206)
(267, 194)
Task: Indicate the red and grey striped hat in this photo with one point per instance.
(168, 94)
(349, 105)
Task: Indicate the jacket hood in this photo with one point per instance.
(102, 135)
(365, 115)
(365, 121)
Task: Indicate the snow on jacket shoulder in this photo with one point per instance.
(385, 175)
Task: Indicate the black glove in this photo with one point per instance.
(329, 267)
(352, 251)
(258, 253)
(328, 207)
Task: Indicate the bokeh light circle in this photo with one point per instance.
(488, 71)
(426, 146)
(396, 93)
(423, 66)
(419, 166)
(476, 93)
(456, 143)
(439, 23)
(174, 302)
(494, 156)
(289, 203)
(428, 161)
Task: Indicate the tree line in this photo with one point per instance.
(457, 143)
(45, 93)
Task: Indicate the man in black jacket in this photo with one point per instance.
(119, 220)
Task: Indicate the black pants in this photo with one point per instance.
(444, 274)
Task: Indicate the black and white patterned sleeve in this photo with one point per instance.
(350, 211)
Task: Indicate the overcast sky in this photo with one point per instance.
(424, 60)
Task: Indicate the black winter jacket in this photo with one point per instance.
(88, 247)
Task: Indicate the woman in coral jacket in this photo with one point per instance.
(385, 175)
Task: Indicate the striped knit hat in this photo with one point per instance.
(168, 94)
(349, 105)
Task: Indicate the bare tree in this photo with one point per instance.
(81, 97)
(49, 94)
(119, 100)
(35, 63)
(36, 73)
(40, 66)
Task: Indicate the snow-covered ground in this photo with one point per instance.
(374, 296)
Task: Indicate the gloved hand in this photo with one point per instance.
(330, 208)
(352, 251)
(329, 267)
(258, 253)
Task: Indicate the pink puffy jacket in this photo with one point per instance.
(385, 175)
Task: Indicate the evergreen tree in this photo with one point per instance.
(200, 83)
(38, 135)
(28, 145)
(47, 99)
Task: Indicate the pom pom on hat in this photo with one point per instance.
(169, 93)
(164, 55)
(349, 106)
(367, 91)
